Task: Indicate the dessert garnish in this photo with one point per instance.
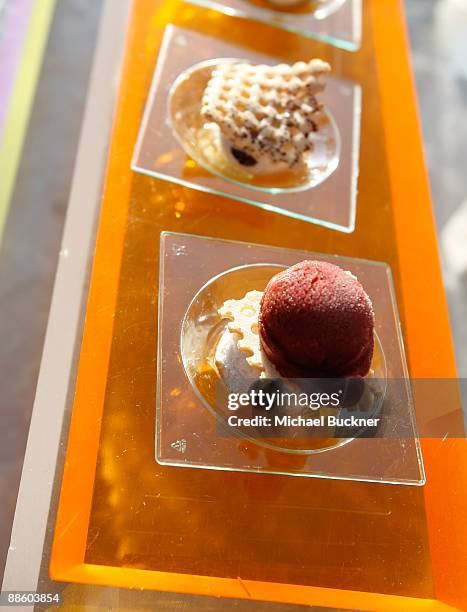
(239, 358)
(268, 117)
(243, 321)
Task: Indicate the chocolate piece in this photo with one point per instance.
(243, 158)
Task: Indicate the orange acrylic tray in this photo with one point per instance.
(123, 520)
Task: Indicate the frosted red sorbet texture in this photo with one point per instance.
(317, 321)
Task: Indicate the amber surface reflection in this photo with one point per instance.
(274, 528)
(305, 7)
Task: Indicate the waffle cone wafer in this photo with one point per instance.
(268, 116)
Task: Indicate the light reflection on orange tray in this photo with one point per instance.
(123, 520)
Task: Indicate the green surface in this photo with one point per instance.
(21, 101)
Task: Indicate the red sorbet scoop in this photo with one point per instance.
(317, 321)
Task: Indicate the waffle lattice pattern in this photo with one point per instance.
(267, 111)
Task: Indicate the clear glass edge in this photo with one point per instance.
(356, 136)
(268, 207)
(406, 482)
(406, 372)
(340, 43)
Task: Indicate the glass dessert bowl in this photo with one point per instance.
(222, 354)
(256, 125)
(320, 9)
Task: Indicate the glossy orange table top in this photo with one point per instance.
(123, 519)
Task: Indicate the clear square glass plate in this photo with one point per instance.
(337, 22)
(327, 197)
(197, 275)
